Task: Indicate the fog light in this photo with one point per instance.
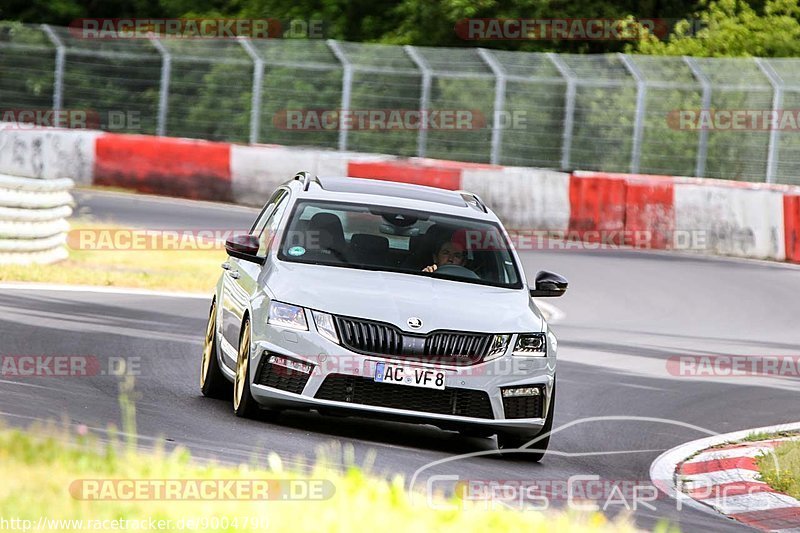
(521, 391)
(291, 364)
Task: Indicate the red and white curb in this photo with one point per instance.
(719, 474)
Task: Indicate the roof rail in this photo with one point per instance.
(307, 178)
(473, 199)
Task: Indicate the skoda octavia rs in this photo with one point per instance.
(372, 298)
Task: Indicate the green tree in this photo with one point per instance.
(734, 28)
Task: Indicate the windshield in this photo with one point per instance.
(399, 240)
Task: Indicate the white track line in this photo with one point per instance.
(718, 477)
(747, 503)
(749, 451)
(133, 195)
(23, 286)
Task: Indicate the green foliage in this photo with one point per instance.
(781, 468)
(734, 28)
(45, 473)
(729, 27)
(210, 91)
(419, 22)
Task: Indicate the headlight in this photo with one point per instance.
(498, 347)
(325, 326)
(288, 316)
(531, 345)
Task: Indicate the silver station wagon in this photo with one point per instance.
(373, 298)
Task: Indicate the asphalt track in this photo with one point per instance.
(626, 313)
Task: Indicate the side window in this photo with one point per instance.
(268, 231)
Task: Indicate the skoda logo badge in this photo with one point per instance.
(414, 323)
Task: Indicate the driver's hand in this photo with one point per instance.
(431, 268)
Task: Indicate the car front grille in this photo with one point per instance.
(369, 337)
(281, 377)
(444, 347)
(524, 406)
(365, 391)
(449, 344)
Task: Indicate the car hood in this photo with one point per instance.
(395, 297)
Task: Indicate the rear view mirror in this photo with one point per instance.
(549, 284)
(244, 247)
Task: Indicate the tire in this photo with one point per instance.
(514, 441)
(213, 383)
(243, 403)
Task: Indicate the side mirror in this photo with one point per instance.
(244, 247)
(549, 284)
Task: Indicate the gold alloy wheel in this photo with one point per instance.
(241, 366)
(208, 346)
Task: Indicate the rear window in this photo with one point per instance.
(399, 240)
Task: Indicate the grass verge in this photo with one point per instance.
(40, 473)
(781, 468)
(188, 269)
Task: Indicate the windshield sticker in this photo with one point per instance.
(296, 250)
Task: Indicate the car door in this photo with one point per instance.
(249, 271)
(240, 279)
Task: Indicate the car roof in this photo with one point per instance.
(363, 190)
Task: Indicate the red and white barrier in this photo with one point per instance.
(734, 220)
(47, 153)
(524, 198)
(661, 212)
(791, 217)
(417, 171)
(162, 165)
(257, 170)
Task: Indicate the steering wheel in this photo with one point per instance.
(457, 270)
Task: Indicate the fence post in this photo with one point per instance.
(641, 102)
(702, 143)
(777, 102)
(499, 102)
(258, 82)
(163, 89)
(58, 75)
(424, 99)
(569, 108)
(347, 88)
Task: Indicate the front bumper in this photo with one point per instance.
(473, 392)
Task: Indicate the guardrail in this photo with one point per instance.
(706, 216)
(603, 112)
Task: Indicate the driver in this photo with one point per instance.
(450, 252)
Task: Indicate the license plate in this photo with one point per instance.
(409, 375)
